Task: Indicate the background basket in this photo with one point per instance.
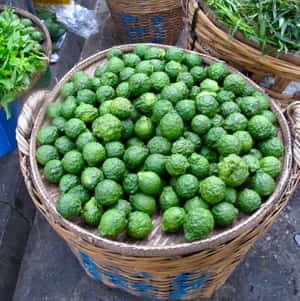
(47, 44)
(206, 35)
(149, 21)
(161, 266)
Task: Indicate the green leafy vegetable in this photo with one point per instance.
(268, 22)
(21, 55)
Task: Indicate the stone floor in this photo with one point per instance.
(43, 267)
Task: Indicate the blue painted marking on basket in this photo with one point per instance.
(159, 29)
(118, 281)
(132, 32)
(182, 288)
(90, 266)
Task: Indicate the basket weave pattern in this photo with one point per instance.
(147, 21)
(162, 267)
(206, 35)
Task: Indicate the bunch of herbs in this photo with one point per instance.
(21, 55)
(268, 22)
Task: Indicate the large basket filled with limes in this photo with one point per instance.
(160, 167)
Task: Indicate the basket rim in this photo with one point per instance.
(47, 43)
(156, 251)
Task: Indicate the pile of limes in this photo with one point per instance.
(155, 128)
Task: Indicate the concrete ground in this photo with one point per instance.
(36, 264)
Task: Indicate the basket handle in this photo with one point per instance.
(26, 119)
(293, 113)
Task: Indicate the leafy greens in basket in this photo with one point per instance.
(269, 22)
(21, 55)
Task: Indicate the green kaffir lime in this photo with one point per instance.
(80, 192)
(46, 153)
(199, 166)
(198, 73)
(212, 190)
(122, 90)
(217, 71)
(64, 144)
(177, 164)
(139, 224)
(252, 163)
(127, 129)
(115, 65)
(67, 182)
(246, 141)
(74, 127)
(54, 110)
(168, 198)
(260, 127)
(59, 123)
(105, 93)
(140, 49)
(198, 224)
(194, 138)
(131, 60)
(84, 139)
(144, 67)
(90, 177)
(235, 122)
(173, 219)
(130, 183)
(195, 202)
(121, 107)
(86, 96)
(86, 112)
(228, 107)
(53, 171)
(192, 59)
(139, 83)
(108, 127)
(186, 109)
(233, 170)
(126, 73)
(213, 135)
(114, 169)
(224, 213)
(234, 83)
(108, 192)
(249, 200)
(200, 124)
(123, 206)
(93, 153)
(112, 223)
(68, 107)
(146, 102)
(155, 163)
(114, 149)
(92, 212)
(68, 206)
(272, 147)
(135, 156)
(187, 186)
(142, 202)
(73, 162)
(114, 52)
(47, 135)
(99, 71)
(183, 146)
(209, 85)
(159, 80)
(187, 78)
(271, 165)
(173, 68)
(228, 144)
(149, 182)
(230, 195)
(161, 108)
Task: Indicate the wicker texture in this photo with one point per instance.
(147, 21)
(161, 266)
(206, 35)
(47, 44)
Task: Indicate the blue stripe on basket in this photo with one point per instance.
(118, 281)
(159, 29)
(183, 286)
(132, 32)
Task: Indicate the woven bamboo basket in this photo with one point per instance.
(161, 266)
(149, 21)
(47, 44)
(206, 35)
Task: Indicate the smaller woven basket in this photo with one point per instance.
(47, 44)
(161, 266)
(149, 21)
(205, 34)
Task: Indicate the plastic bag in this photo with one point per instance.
(80, 20)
